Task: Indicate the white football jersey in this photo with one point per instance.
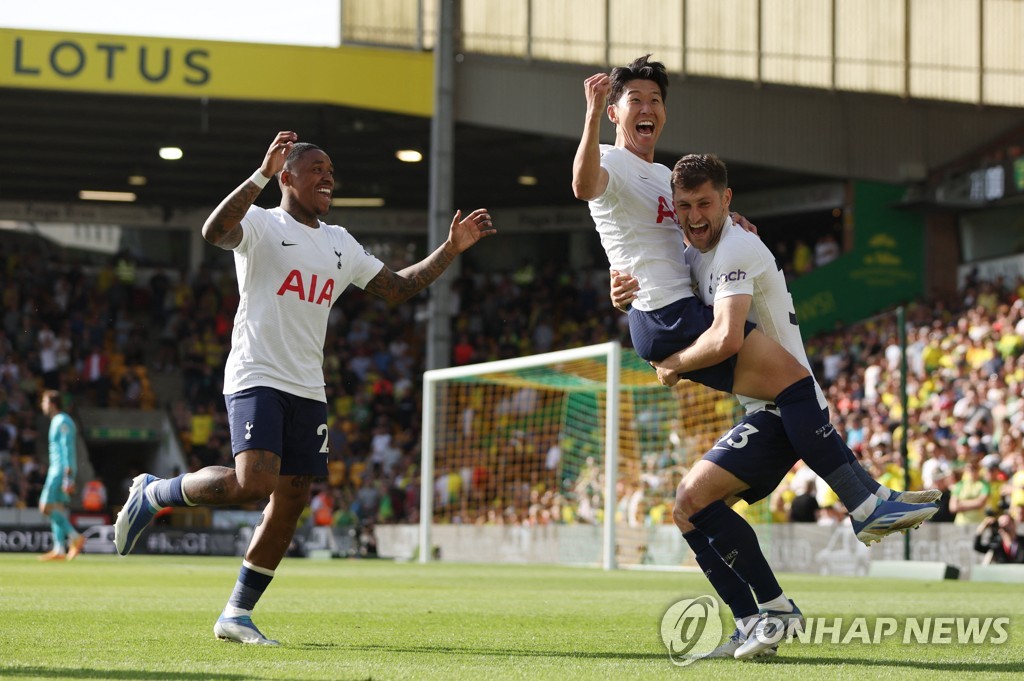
(740, 264)
(639, 231)
(289, 276)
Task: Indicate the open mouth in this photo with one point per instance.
(645, 128)
(698, 230)
(325, 191)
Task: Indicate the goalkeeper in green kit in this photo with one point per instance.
(60, 480)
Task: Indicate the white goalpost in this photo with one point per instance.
(610, 351)
(568, 457)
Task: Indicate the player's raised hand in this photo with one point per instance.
(279, 149)
(463, 233)
(623, 289)
(597, 88)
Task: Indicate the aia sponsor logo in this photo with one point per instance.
(309, 292)
(666, 211)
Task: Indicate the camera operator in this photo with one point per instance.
(999, 539)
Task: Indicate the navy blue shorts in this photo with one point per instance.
(757, 452)
(294, 428)
(659, 333)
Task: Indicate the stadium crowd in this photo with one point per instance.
(101, 334)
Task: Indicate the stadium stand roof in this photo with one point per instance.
(54, 144)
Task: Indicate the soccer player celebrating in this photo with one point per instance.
(637, 223)
(753, 457)
(291, 268)
(60, 480)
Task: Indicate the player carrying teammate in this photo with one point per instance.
(736, 271)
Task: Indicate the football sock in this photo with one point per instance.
(779, 604)
(61, 527)
(809, 431)
(232, 611)
(736, 542)
(733, 591)
(870, 483)
(845, 478)
(162, 493)
(252, 582)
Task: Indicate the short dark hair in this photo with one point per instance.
(640, 69)
(298, 149)
(693, 170)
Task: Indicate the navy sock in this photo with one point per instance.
(249, 587)
(733, 591)
(870, 484)
(167, 492)
(809, 431)
(736, 542)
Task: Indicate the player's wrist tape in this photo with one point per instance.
(259, 179)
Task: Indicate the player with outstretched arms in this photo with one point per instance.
(291, 269)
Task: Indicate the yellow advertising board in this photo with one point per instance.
(398, 81)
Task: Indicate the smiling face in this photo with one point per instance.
(307, 183)
(702, 212)
(639, 116)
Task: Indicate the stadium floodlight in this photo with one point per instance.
(409, 155)
(99, 195)
(357, 201)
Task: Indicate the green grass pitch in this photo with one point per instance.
(104, 617)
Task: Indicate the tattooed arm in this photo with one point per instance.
(396, 287)
(224, 226)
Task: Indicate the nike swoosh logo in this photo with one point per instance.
(285, 243)
(643, 178)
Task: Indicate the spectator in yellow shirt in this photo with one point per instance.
(970, 496)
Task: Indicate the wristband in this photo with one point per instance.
(259, 179)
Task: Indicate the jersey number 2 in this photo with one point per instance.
(322, 430)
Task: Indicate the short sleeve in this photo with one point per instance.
(736, 268)
(253, 225)
(364, 265)
(611, 161)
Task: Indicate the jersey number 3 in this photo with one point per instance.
(737, 438)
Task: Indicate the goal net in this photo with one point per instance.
(564, 457)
